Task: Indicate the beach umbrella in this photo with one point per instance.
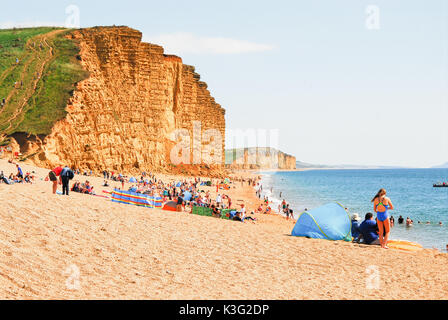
(132, 180)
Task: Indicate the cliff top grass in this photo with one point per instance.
(39, 69)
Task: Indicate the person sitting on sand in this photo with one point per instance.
(368, 231)
(355, 226)
(237, 217)
(381, 205)
(105, 184)
(268, 210)
(88, 188)
(216, 212)
(28, 178)
(76, 186)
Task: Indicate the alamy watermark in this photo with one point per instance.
(248, 146)
(372, 21)
(73, 19)
(372, 278)
(73, 275)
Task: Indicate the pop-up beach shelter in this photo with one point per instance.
(132, 180)
(330, 222)
(170, 206)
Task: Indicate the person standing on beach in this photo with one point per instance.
(66, 175)
(180, 201)
(218, 200)
(381, 204)
(283, 206)
(19, 171)
(53, 175)
(286, 211)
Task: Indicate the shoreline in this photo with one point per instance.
(128, 252)
(402, 234)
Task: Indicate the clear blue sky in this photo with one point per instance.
(339, 92)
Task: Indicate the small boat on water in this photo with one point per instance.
(440, 185)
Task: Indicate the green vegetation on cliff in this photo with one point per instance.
(38, 87)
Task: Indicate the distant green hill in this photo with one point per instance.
(38, 72)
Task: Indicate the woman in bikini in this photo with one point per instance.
(381, 205)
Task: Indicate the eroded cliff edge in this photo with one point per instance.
(122, 117)
(259, 158)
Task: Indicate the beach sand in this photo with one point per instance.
(127, 252)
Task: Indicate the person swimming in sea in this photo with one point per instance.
(381, 205)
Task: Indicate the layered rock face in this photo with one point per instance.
(125, 115)
(259, 158)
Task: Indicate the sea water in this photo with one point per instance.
(411, 192)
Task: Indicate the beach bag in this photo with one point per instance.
(70, 174)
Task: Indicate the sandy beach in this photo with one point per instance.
(127, 252)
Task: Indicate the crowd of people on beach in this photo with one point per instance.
(18, 177)
(188, 194)
(264, 207)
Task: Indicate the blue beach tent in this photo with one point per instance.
(132, 180)
(330, 222)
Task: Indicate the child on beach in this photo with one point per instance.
(355, 226)
(381, 205)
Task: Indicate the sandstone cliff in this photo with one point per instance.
(124, 115)
(259, 158)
